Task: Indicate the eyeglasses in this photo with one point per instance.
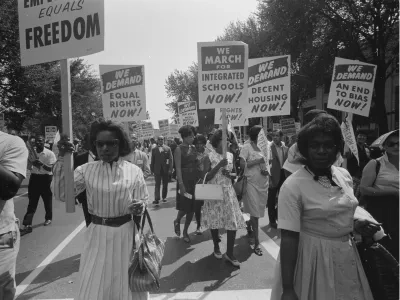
(109, 144)
(392, 144)
(326, 146)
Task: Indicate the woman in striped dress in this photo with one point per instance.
(115, 190)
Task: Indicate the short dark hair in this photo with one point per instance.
(325, 124)
(278, 131)
(361, 132)
(312, 114)
(200, 139)
(216, 138)
(39, 136)
(122, 136)
(186, 130)
(254, 131)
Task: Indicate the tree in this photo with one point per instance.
(314, 32)
(183, 86)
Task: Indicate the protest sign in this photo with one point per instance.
(352, 86)
(288, 126)
(264, 145)
(163, 126)
(50, 133)
(146, 131)
(124, 97)
(349, 138)
(269, 86)
(276, 126)
(174, 130)
(55, 30)
(2, 122)
(188, 113)
(235, 115)
(222, 74)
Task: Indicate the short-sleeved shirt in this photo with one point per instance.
(13, 157)
(304, 205)
(46, 157)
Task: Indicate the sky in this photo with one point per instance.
(162, 35)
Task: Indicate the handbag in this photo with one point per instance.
(381, 269)
(145, 265)
(241, 184)
(209, 192)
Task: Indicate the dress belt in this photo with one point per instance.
(112, 222)
(344, 238)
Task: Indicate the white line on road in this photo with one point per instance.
(20, 195)
(31, 277)
(271, 247)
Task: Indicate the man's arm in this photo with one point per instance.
(152, 161)
(171, 161)
(9, 183)
(146, 169)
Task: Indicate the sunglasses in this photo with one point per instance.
(326, 146)
(392, 144)
(109, 144)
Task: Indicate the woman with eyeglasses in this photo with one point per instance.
(380, 185)
(224, 214)
(116, 192)
(318, 260)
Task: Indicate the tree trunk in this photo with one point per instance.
(380, 107)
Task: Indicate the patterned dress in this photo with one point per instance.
(103, 271)
(224, 214)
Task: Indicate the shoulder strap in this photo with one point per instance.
(377, 169)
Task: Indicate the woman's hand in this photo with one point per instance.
(64, 145)
(366, 228)
(289, 294)
(182, 189)
(226, 173)
(265, 173)
(137, 207)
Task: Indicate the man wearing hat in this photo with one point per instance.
(161, 166)
(138, 158)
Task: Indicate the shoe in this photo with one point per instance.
(217, 254)
(156, 202)
(164, 200)
(186, 238)
(25, 230)
(47, 222)
(198, 232)
(233, 261)
(177, 228)
(273, 225)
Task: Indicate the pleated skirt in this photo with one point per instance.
(103, 271)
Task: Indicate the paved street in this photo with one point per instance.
(48, 262)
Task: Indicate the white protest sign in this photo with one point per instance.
(124, 97)
(352, 86)
(269, 86)
(265, 147)
(349, 138)
(276, 126)
(222, 74)
(50, 133)
(163, 125)
(55, 30)
(146, 131)
(174, 130)
(235, 115)
(288, 126)
(188, 113)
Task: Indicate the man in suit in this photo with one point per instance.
(278, 156)
(161, 166)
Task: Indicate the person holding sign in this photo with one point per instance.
(254, 200)
(115, 190)
(223, 214)
(187, 176)
(318, 259)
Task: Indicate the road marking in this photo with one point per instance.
(215, 295)
(271, 247)
(20, 195)
(31, 277)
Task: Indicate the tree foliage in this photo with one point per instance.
(31, 96)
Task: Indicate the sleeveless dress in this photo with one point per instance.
(223, 214)
(189, 177)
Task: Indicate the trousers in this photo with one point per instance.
(164, 177)
(272, 201)
(39, 186)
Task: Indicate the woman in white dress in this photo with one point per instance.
(116, 191)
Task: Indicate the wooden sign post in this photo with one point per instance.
(224, 132)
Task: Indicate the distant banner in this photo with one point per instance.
(352, 86)
(124, 97)
(188, 113)
(349, 137)
(146, 131)
(222, 74)
(174, 130)
(276, 126)
(237, 116)
(269, 86)
(288, 126)
(163, 125)
(50, 133)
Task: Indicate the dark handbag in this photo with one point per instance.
(381, 269)
(145, 265)
(240, 186)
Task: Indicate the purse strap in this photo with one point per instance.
(146, 215)
(204, 180)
